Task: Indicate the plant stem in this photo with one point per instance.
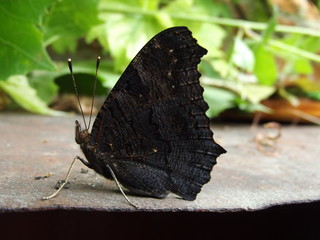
(216, 20)
(285, 47)
(294, 50)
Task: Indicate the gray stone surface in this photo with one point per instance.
(243, 179)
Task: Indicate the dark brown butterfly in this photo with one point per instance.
(152, 134)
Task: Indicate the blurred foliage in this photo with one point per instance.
(251, 57)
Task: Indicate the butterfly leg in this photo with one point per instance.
(67, 177)
(84, 162)
(64, 181)
(119, 186)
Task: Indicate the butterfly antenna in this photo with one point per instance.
(94, 89)
(76, 91)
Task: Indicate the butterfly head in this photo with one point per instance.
(82, 136)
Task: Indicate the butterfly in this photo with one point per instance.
(151, 134)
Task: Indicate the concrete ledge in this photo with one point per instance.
(243, 179)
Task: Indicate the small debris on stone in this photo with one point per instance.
(43, 177)
(267, 143)
(60, 182)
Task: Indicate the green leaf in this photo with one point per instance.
(302, 66)
(44, 84)
(205, 32)
(22, 93)
(265, 67)
(242, 55)
(25, 11)
(223, 68)
(212, 8)
(21, 40)
(294, 100)
(256, 93)
(247, 106)
(308, 85)
(186, 7)
(306, 88)
(68, 21)
(64, 44)
(211, 37)
(267, 34)
(164, 19)
(218, 100)
(313, 95)
(307, 43)
(126, 34)
(207, 69)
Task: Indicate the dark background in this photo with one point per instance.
(297, 221)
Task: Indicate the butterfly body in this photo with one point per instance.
(152, 130)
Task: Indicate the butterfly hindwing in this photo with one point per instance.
(173, 152)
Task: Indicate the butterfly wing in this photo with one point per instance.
(153, 123)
